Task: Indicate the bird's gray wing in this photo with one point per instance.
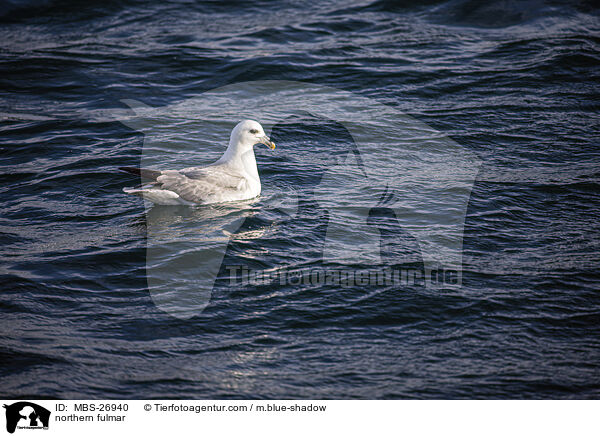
(203, 185)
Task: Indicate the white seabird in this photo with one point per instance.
(233, 177)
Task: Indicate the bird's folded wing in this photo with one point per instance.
(222, 175)
(202, 184)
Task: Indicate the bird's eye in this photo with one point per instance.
(253, 131)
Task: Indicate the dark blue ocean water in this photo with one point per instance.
(515, 83)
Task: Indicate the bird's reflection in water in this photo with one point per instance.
(200, 223)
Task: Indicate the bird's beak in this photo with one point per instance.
(265, 140)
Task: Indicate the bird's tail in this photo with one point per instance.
(157, 196)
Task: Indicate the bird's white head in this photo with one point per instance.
(247, 133)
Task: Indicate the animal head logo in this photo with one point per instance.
(24, 414)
